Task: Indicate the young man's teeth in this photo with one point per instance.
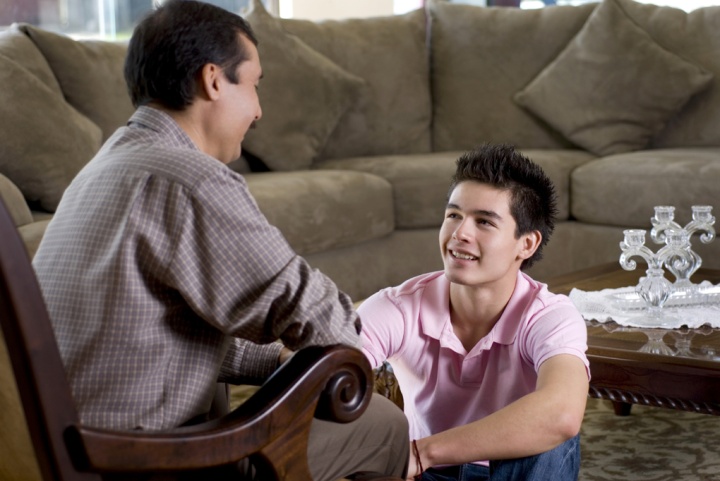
(463, 256)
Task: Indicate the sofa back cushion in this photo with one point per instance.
(90, 73)
(613, 88)
(15, 45)
(480, 58)
(44, 141)
(303, 95)
(390, 54)
(694, 36)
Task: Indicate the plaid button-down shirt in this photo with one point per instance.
(158, 267)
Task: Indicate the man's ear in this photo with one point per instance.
(209, 82)
(530, 243)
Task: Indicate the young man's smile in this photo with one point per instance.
(458, 254)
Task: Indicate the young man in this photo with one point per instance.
(158, 268)
(491, 365)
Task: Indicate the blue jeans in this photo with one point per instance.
(559, 464)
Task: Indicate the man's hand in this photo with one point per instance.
(285, 354)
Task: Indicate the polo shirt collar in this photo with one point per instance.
(435, 313)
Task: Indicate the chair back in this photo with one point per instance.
(33, 353)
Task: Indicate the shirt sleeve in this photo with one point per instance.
(557, 329)
(249, 363)
(241, 276)
(383, 327)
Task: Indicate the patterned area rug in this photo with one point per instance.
(652, 444)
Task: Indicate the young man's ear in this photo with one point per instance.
(209, 84)
(530, 243)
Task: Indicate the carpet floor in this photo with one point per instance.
(652, 444)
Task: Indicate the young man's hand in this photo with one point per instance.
(416, 463)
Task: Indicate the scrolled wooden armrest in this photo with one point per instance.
(335, 379)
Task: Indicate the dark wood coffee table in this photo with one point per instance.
(686, 376)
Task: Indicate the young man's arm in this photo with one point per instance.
(383, 328)
(533, 424)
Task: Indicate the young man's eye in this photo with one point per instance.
(451, 215)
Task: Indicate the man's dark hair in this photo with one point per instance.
(533, 203)
(170, 46)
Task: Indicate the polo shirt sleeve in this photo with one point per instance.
(383, 326)
(556, 329)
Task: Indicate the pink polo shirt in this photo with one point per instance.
(443, 385)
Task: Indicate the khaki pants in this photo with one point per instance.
(378, 441)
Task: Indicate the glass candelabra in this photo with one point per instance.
(682, 266)
(654, 288)
(676, 256)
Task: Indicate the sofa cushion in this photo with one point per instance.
(695, 36)
(613, 87)
(31, 235)
(14, 202)
(390, 54)
(324, 210)
(481, 57)
(17, 46)
(17, 454)
(90, 74)
(621, 190)
(559, 166)
(420, 181)
(303, 94)
(44, 141)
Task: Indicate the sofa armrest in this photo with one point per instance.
(15, 202)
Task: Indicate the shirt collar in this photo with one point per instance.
(506, 329)
(161, 122)
(435, 312)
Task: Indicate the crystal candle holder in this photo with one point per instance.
(679, 258)
(654, 288)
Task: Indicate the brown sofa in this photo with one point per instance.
(363, 119)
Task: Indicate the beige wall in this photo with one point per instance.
(335, 9)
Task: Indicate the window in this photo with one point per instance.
(115, 19)
(110, 19)
(686, 5)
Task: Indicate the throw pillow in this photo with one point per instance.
(613, 87)
(90, 73)
(390, 53)
(303, 95)
(17, 46)
(44, 141)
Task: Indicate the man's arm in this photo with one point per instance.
(533, 424)
(240, 275)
